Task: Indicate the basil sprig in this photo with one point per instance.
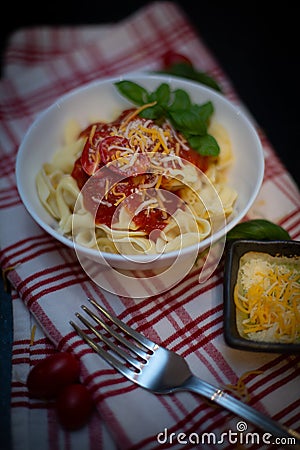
(259, 229)
(188, 118)
(184, 70)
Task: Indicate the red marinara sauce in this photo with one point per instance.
(105, 189)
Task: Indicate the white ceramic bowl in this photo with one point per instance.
(101, 99)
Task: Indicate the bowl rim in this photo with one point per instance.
(235, 249)
(210, 240)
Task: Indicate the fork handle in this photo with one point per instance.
(241, 409)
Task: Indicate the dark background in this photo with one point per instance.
(256, 45)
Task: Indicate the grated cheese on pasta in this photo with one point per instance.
(153, 181)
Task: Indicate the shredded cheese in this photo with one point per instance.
(4, 275)
(92, 134)
(122, 196)
(158, 181)
(136, 112)
(151, 203)
(32, 335)
(240, 388)
(267, 296)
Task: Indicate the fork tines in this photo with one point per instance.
(135, 349)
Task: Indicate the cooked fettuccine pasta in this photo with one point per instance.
(134, 186)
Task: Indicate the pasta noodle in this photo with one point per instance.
(135, 187)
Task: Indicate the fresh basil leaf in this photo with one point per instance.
(188, 121)
(181, 69)
(161, 95)
(205, 145)
(194, 120)
(260, 229)
(181, 100)
(205, 79)
(155, 112)
(185, 70)
(205, 111)
(133, 92)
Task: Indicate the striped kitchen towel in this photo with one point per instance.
(49, 285)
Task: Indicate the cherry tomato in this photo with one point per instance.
(74, 406)
(148, 222)
(170, 58)
(91, 159)
(195, 158)
(111, 146)
(101, 128)
(51, 374)
(79, 174)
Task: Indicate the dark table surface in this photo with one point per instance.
(257, 46)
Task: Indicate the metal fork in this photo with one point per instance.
(163, 371)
